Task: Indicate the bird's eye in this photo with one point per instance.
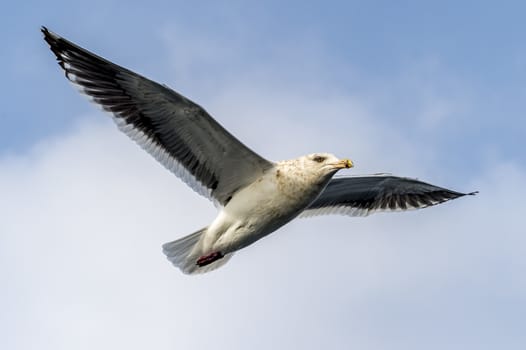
(318, 159)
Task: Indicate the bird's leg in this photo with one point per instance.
(208, 259)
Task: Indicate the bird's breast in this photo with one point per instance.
(261, 208)
(275, 195)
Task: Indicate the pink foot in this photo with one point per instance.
(208, 259)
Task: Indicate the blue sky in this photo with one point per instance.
(434, 90)
(477, 44)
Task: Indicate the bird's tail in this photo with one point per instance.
(184, 253)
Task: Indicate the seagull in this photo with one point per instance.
(254, 196)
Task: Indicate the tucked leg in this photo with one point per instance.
(208, 259)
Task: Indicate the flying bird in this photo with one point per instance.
(254, 196)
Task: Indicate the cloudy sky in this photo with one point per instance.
(433, 90)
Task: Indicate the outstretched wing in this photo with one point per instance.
(363, 195)
(174, 130)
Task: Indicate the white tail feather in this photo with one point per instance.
(184, 252)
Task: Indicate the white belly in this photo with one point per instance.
(258, 210)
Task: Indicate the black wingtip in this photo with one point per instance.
(47, 33)
(49, 36)
(472, 193)
(56, 44)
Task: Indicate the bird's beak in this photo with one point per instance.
(344, 164)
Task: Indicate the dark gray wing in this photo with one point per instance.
(174, 130)
(363, 195)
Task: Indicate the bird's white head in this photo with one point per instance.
(316, 168)
(308, 175)
(325, 163)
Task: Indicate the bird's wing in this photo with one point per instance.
(174, 130)
(364, 195)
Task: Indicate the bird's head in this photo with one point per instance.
(325, 163)
(316, 168)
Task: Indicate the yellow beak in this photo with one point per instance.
(344, 164)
